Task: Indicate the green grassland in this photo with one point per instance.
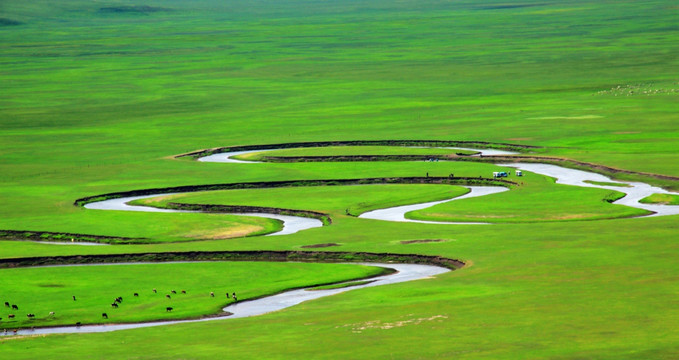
(538, 199)
(334, 200)
(147, 227)
(96, 287)
(351, 150)
(97, 97)
(664, 199)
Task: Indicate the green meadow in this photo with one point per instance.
(98, 97)
(188, 285)
(333, 200)
(537, 199)
(665, 199)
(350, 151)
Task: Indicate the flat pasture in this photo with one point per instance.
(99, 97)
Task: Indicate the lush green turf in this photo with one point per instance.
(335, 200)
(351, 150)
(42, 290)
(538, 199)
(97, 101)
(148, 227)
(664, 199)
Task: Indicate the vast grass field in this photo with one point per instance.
(58, 285)
(334, 200)
(351, 151)
(98, 97)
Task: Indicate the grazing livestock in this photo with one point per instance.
(168, 296)
(136, 294)
(114, 305)
(154, 290)
(74, 298)
(51, 313)
(30, 316)
(168, 309)
(119, 299)
(6, 304)
(174, 292)
(234, 298)
(11, 316)
(227, 295)
(183, 291)
(78, 324)
(14, 307)
(212, 294)
(104, 315)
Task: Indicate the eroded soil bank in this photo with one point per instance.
(425, 143)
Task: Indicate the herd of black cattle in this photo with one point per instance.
(115, 304)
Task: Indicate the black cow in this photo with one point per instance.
(104, 315)
(115, 305)
(14, 307)
(11, 316)
(168, 296)
(78, 324)
(168, 309)
(74, 298)
(30, 316)
(174, 292)
(6, 304)
(183, 291)
(136, 294)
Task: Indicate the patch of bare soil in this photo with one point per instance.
(320, 245)
(421, 241)
(379, 324)
(233, 232)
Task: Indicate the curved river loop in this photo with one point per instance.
(634, 191)
(405, 272)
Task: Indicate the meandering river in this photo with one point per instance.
(405, 272)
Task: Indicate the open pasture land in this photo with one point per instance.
(99, 97)
(351, 151)
(185, 287)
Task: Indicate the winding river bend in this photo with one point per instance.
(634, 191)
(398, 213)
(405, 272)
(291, 224)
